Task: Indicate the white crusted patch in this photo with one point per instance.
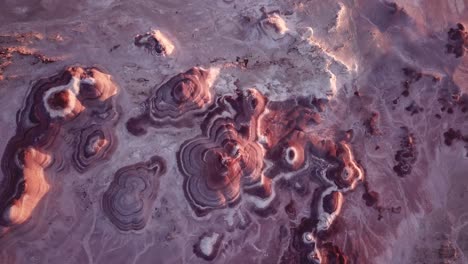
(207, 244)
(73, 88)
(164, 41)
(326, 219)
(277, 22)
(290, 155)
(212, 76)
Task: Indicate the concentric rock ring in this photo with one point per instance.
(176, 102)
(95, 143)
(215, 167)
(290, 152)
(225, 158)
(64, 102)
(183, 93)
(128, 200)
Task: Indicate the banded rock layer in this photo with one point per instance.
(77, 100)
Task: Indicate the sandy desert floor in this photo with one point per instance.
(234, 131)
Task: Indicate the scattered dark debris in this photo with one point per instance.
(371, 124)
(217, 59)
(413, 108)
(412, 76)
(406, 156)
(242, 61)
(141, 80)
(290, 209)
(452, 135)
(371, 198)
(457, 40)
(394, 8)
(380, 215)
(457, 101)
(462, 102)
(114, 48)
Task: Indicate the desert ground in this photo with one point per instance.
(234, 131)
